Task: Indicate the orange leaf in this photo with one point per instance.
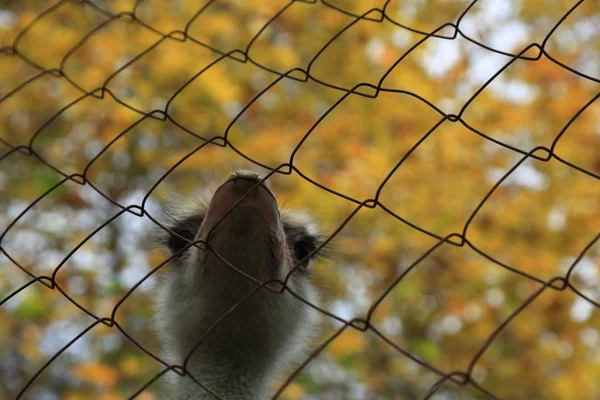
(96, 373)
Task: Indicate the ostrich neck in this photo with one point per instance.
(240, 357)
(225, 379)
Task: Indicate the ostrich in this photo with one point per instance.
(246, 352)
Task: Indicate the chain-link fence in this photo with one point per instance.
(75, 79)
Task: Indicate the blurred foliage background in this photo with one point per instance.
(85, 87)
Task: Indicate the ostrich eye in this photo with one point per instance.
(302, 248)
(301, 242)
(185, 230)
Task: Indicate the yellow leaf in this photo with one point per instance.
(130, 366)
(294, 392)
(351, 341)
(146, 396)
(96, 373)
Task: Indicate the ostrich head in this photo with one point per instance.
(212, 314)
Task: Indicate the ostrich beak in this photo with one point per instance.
(244, 217)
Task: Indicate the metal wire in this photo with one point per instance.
(364, 89)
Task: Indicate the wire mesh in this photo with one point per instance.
(96, 18)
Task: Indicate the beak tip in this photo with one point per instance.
(249, 175)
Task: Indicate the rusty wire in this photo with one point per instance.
(540, 153)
